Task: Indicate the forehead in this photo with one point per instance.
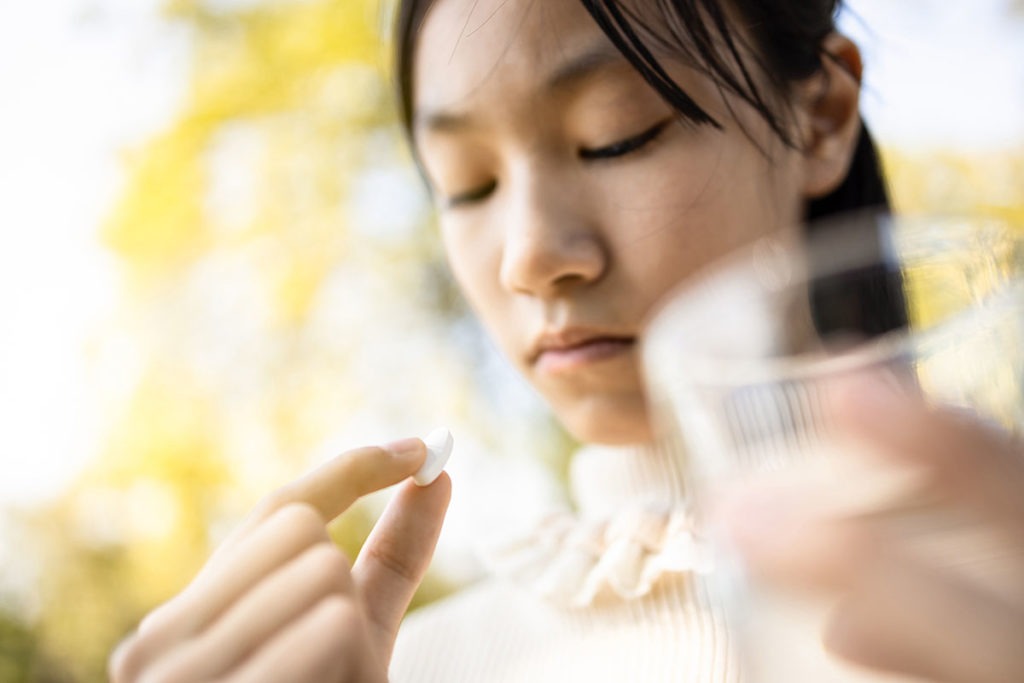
(470, 50)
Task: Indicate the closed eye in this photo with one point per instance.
(627, 146)
(472, 196)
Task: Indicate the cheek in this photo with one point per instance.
(694, 207)
(475, 261)
(468, 261)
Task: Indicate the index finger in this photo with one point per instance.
(331, 488)
(334, 486)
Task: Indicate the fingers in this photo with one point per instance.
(396, 555)
(284, 596)
(328, 644)
(907, 616)
(965, 460)
(333, 487)
(902, 607)
(929, 581)
(285, 535)
(272, 589)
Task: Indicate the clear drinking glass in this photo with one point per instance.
(741, 359)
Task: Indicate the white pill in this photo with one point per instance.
(439, 448)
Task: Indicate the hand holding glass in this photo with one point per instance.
(748, 363)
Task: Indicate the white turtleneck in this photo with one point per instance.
(606, 594)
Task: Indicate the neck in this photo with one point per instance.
(606, 479)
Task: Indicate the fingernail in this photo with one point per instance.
(405, 448)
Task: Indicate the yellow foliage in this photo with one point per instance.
(984, 191)
(159, 218)
(954, 182)
(266, 61)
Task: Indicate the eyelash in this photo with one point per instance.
(624, 147)
(613, 151)
(472, 196)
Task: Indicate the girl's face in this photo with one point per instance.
(572, 199)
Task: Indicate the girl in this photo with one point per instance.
(586, 155)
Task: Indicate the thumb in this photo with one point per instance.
(396, 555)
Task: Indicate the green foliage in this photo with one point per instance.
(21, 657)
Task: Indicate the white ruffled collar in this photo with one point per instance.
(631, 527)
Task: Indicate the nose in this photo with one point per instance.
(551, 245)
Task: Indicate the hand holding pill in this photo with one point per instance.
(279, 601)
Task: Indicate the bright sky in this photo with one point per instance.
(84, 79)
(941, 72)
(80, 81)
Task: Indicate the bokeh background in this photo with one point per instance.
(218, 267)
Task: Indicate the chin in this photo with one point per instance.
(609, 422)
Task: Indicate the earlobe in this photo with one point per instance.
(831, 118)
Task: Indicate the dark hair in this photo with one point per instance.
(787, 39)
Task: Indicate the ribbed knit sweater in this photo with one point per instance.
(607, 595)
(611, 591)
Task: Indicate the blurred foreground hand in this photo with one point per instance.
(932, 585)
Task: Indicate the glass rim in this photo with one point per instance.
(706, 368)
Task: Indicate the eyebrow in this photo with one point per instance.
(569, 73)
(583, 65)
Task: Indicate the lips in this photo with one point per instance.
(575, 348)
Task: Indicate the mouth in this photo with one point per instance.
(557, 354)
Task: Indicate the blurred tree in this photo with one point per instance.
(276, 259)
(958, 181)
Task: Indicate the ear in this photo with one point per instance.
(830, 118)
